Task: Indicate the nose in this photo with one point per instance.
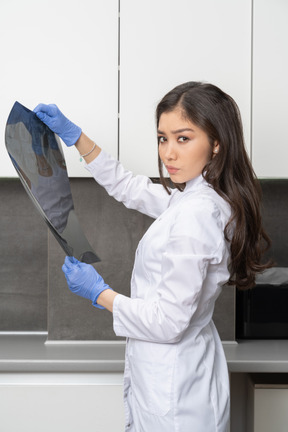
(170, 151)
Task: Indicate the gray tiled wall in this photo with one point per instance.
(23, 261)
(33, 290)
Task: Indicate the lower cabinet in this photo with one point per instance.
(74, 402)
(61, 402)
(259, 402)
(267, 403)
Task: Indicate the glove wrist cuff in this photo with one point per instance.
(71, 137)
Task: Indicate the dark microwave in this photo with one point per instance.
(262, 312)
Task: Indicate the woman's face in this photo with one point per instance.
(183, 147)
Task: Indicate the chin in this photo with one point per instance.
(179, 179)
(176, 178)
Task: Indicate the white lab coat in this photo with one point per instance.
(175, 372)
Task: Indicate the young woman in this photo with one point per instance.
(207, 233)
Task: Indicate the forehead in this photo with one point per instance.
(174, 120)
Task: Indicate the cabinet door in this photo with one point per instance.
(270, 88)
(63, 52)
(267, 407)
(270, 410)
(164, 43)
(63, 402)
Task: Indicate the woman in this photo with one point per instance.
(207, 232)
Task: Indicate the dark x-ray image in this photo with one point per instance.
(38, 158)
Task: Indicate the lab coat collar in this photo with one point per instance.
(191, 186)
(195, 183)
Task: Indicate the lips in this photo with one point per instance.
(171, 169)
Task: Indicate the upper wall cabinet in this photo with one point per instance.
(164, 43)
(270, 88)
(63, 52)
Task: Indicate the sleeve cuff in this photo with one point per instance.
(98, 162)
(117, 327)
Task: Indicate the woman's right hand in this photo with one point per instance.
(84, 280)
(58, 123)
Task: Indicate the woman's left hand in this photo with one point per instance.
(58, 123)
(84, 280)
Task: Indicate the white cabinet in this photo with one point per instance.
(267, 404)
(61, 402)
(63, 52)
(164, 43)
(68, 52)
(270, 88)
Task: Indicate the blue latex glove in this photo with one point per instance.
(84, 280)
(58, 123)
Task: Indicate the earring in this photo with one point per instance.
(215, 151)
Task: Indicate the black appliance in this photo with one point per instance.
(262, 312)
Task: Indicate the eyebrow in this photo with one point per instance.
(177, 131)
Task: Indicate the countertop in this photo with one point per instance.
(32, 353)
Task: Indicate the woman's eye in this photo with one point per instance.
(161, 139)
(182, 139)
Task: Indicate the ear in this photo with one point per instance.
(216, 148)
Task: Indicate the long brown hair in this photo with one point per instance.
(230, 173)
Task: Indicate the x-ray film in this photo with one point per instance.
(37, 156)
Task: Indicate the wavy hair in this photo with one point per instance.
(229, 172)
